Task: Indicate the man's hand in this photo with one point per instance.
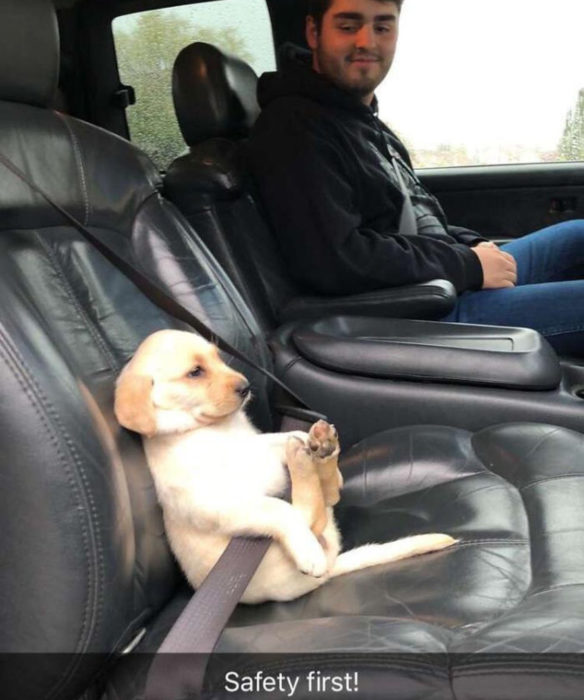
(499, 268)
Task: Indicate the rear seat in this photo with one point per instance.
(85, 564)
(214, 96)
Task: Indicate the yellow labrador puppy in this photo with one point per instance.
(217, 477)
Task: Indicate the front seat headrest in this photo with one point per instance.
(214, 94)
(29, 51)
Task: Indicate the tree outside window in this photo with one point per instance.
(572, 143)
(146, 54)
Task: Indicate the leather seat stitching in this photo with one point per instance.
(464, 543)
(528, 594)
(543, 439)
(496, 617)
(80, 166)
(44, 410)
(550, 478)
(384, 661)
(556, 588)
(526, 665)
(77, 304)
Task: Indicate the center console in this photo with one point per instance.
(368, 374)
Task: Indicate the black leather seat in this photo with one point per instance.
(215, 102)
(86, 570)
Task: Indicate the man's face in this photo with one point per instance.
(356, 44)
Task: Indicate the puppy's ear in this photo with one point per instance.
(133, 405)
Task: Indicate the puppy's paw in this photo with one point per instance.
(323, 440)
(310, 557)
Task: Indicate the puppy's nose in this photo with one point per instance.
(243, 389)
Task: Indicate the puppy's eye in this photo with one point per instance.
(195, 372)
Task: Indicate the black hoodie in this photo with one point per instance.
(322, 162)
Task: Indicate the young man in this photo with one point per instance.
(332, 178)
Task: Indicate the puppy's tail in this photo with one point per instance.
(374, 554)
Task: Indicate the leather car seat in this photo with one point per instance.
(215, 103)
(87, 580)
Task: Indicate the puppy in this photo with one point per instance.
(216, 477)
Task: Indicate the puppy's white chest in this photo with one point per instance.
(248, 467)
(236, 462)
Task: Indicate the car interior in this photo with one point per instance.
(474, 431)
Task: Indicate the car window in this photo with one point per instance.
(148, 42)
(486, 83)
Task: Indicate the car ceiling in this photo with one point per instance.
(287, 15)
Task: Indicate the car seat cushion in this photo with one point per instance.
(512, 584)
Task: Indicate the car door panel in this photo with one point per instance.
(508, 201)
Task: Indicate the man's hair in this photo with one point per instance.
(317, 9)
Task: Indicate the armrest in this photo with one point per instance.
(456, 353)
(427, 300)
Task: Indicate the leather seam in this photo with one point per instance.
(532, 669)
(288, 366)
(95, 542)
(497, 617)
(521, 490)
(77, 304)
(550, 478)
(43, 409)
(383, 661)
(559, 587)
(80, 166)
(515, 542)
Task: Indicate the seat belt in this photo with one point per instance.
(178, 668)
(173, 676)
(408, 225)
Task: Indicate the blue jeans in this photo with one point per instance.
(549, 295)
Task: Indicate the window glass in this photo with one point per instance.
(488, 82)
(148, 42)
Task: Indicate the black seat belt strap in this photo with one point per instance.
(408, 225)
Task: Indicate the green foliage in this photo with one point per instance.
(572, 143)
(145, 59)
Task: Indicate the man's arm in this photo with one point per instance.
(306, 190)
